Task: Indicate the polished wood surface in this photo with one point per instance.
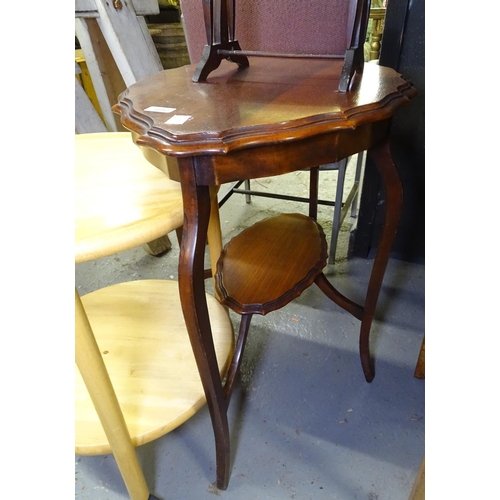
(271, 118)
(268, 103)
(270, 263)
(141, 334)
(121, 200)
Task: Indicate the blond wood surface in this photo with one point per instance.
(141, 334)
(93, 371)
(122, 201)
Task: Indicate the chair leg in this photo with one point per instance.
(234, 189)
(248, 198)
(357, 177)
(337, 211)
(96, 378)
(313, 192)
(158, 247)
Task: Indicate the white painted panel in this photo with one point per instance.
(86, 118)
(95, 74)
(88, 8)
(131, 45)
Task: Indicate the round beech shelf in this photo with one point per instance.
(122, 200)
(270, 263)
(140, 331)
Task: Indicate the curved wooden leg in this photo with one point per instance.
(341, 300)
(381, 155)
(194, 306)
(96, 378)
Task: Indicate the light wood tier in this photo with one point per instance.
(140, 330)
(122, 200)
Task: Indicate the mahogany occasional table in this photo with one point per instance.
(274, 117)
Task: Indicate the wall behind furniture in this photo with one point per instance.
(403, 48)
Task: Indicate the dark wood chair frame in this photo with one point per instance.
(222, 43)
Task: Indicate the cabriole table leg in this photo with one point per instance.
(381, 156)
(194, 306)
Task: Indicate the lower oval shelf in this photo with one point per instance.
(270, 263)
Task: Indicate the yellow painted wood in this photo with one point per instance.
(93, 371)
(86, 80)
(106, 78)
(140, 330)
(122, 201)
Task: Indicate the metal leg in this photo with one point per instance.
(360, 161)
(247, 195)
(337, 211)
(234, 189)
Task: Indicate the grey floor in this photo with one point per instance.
(304, 422)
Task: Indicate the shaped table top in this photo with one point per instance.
(272, 101)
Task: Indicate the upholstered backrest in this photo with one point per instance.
(285, 26)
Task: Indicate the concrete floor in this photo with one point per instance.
(304, 422)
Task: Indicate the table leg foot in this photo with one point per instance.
(364, 351)
(222, 445)
(223, 472)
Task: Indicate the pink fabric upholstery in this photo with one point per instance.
(286, 26)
